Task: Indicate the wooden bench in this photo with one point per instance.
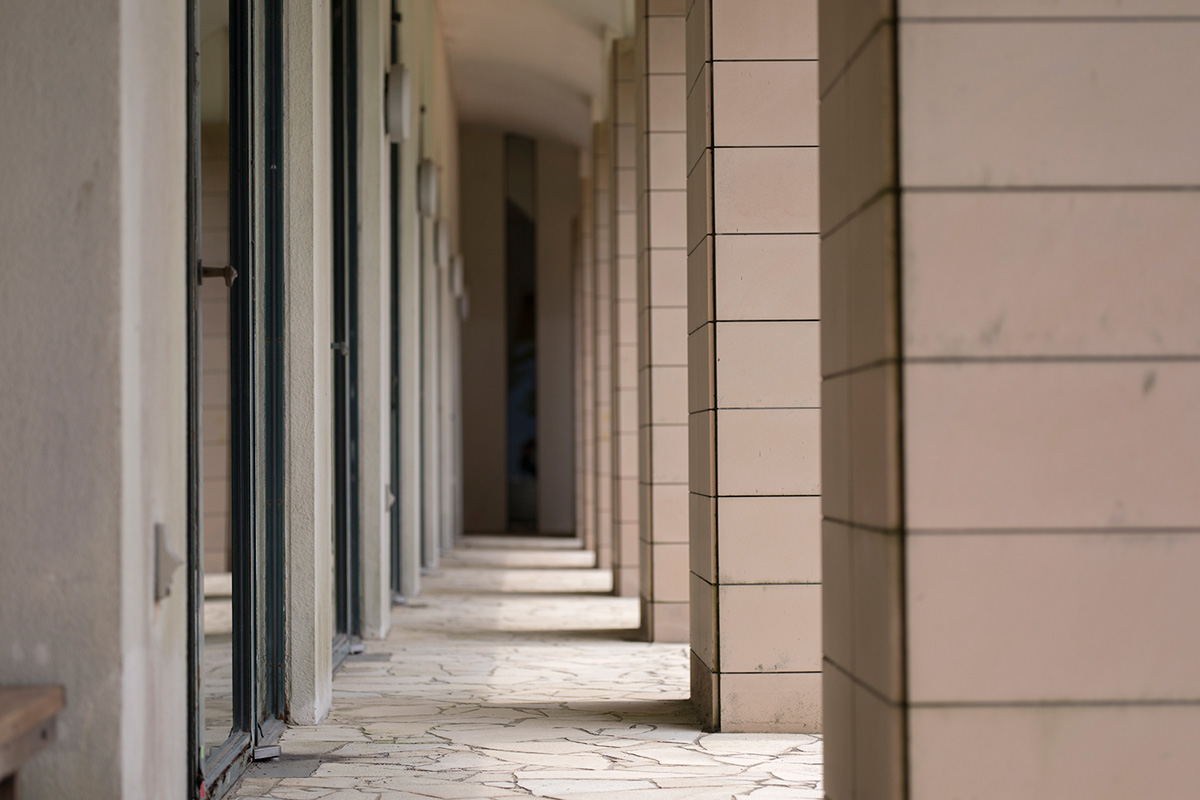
(27, 715)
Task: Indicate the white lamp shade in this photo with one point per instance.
(398, 103)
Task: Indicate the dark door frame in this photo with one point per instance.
(258, 700)
(395, 439)
(273, 703)
(347, 612)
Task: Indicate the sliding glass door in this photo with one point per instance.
(344, 536)
(234, 442)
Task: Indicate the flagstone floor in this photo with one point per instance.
(514, 674)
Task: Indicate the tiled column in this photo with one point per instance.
(624, 322)
(753, 353)
(662, 318)
(587, 360)
(602, 344)
(1012, 367)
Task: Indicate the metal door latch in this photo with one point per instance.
(227, 272)
(342, 347)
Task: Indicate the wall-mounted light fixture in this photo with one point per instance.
(398, 103)
(427, 187)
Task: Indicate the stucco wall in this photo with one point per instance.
(374, 308)
(307, 364)
(154, 389)
(92, 416)
(433, 136)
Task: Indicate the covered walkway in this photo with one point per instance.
(516, 674)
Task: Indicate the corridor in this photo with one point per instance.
(516, 674)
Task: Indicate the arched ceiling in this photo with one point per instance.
(531, 66)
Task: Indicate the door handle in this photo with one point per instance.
(227, 272)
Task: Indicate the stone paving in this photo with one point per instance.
(515, 675)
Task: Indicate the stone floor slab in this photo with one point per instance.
(516, 674)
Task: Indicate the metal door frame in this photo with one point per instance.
(396, 425)
(258, 701)
(344, 52)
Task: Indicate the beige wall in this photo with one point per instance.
(485, 332)
(93, 412)
(422, 502)
(753, 365)
(92, 300)
(437, 122)
(485, 335)
(557, 211)
(308, 373)
(1010, 391)
(374, 328)
(662, 320)
(409, 506)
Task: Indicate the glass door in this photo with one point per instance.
(344, 536)
(395, 440)
(232, 277)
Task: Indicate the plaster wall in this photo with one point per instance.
(411, 478)
(445, 149)
(431, 350)
(308, 378)
(451, 417)
(92, 281)
(374, 308)
(436, 129)
(444, 146)
(153, 402)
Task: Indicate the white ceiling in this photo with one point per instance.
(531, 66)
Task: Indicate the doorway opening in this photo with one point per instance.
(234, 387)
(520, 220)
